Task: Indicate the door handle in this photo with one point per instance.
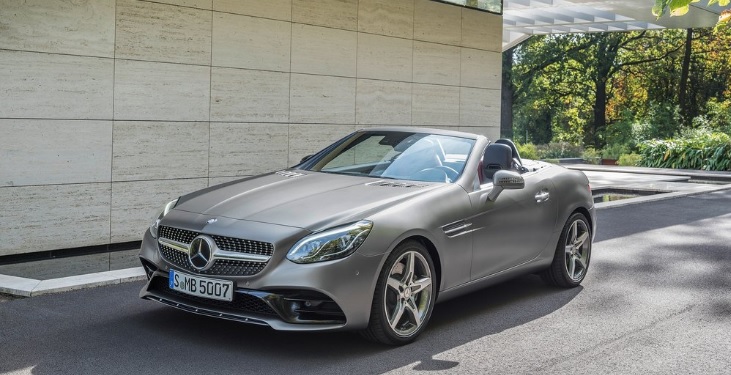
(542, 196)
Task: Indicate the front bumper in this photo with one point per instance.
(335, 295)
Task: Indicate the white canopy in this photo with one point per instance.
(523, 18)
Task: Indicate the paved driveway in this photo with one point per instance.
(657, 300)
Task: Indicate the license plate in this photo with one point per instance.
(221, 290)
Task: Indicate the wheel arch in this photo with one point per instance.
(433, 253)
(586, 214)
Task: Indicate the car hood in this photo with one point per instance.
(309, 200)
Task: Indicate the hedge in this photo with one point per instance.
(710, 152)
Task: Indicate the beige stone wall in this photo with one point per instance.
(110, 108)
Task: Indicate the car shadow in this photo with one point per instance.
(159, 339)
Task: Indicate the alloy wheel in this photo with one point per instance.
(408, 294)
(577, 249)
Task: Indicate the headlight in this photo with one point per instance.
(163, 212)
(330, 244)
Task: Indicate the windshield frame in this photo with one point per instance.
(317, 161)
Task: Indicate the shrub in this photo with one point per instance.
(591, 156)
(613, 151)
(629, 160)
(558, 150)
(697, 150)
(528, 151)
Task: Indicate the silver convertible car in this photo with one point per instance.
(369, 233)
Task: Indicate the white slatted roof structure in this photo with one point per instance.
(523, 18)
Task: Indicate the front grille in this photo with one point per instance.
(241, 302)
(221, 267)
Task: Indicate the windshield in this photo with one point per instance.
(396, 155)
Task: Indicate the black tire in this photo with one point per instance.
(389, 298)
(560, 273)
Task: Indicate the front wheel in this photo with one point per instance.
(404, 296)
(573, 252)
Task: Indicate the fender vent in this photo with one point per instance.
(289, 174)
(396, 184)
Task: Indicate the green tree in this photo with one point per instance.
(681, 7)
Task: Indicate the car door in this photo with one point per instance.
(515, 228)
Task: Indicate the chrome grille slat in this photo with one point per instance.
(221, 267)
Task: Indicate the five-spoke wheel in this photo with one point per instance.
(404, 296)
(571, 260)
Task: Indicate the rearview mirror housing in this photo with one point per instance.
(505, 180)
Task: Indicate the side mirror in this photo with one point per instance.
(306, 158)
(505, 180)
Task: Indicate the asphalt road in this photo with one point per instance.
(657, 300)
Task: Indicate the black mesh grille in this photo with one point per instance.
(241, 302)
(221, 267)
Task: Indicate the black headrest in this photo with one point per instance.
(512, 146)
(497, 157)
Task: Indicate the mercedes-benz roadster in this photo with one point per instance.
(369, 233)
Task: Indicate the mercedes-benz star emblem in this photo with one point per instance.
(201, 251)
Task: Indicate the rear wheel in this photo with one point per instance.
(573, 252)
(404, 296)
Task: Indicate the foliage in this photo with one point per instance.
(681, 7)
(698, 149)
(591, 156)
(717, 117)
(558, 150)
(527, 151)
(620, 88)
(629, 160)
(613, 151)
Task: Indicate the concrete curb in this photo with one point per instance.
(19, 286)
(658, 197)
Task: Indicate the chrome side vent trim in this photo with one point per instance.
(289, 174)
(457, 228)
(396, 184)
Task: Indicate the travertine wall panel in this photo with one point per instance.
(249, 95)
(161, 91)
(200, 4)
(40, 85)
(242, 149)
(481, 69)
(482, 30)
(274, 9)
(110, 108)
(251, 43)
(134, 203)
(34, 218)
(338, 14)
(322, 99)
(383, 102)
(307, 139)
(386, 17)
(75, 27)
(37, 152)
(387, 58)
(152, 150)
(435, 105)
(324, 51)
(161, 32)
(479, 107)
(437, 22)
(436, 63)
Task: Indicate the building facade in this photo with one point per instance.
(110, 108)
